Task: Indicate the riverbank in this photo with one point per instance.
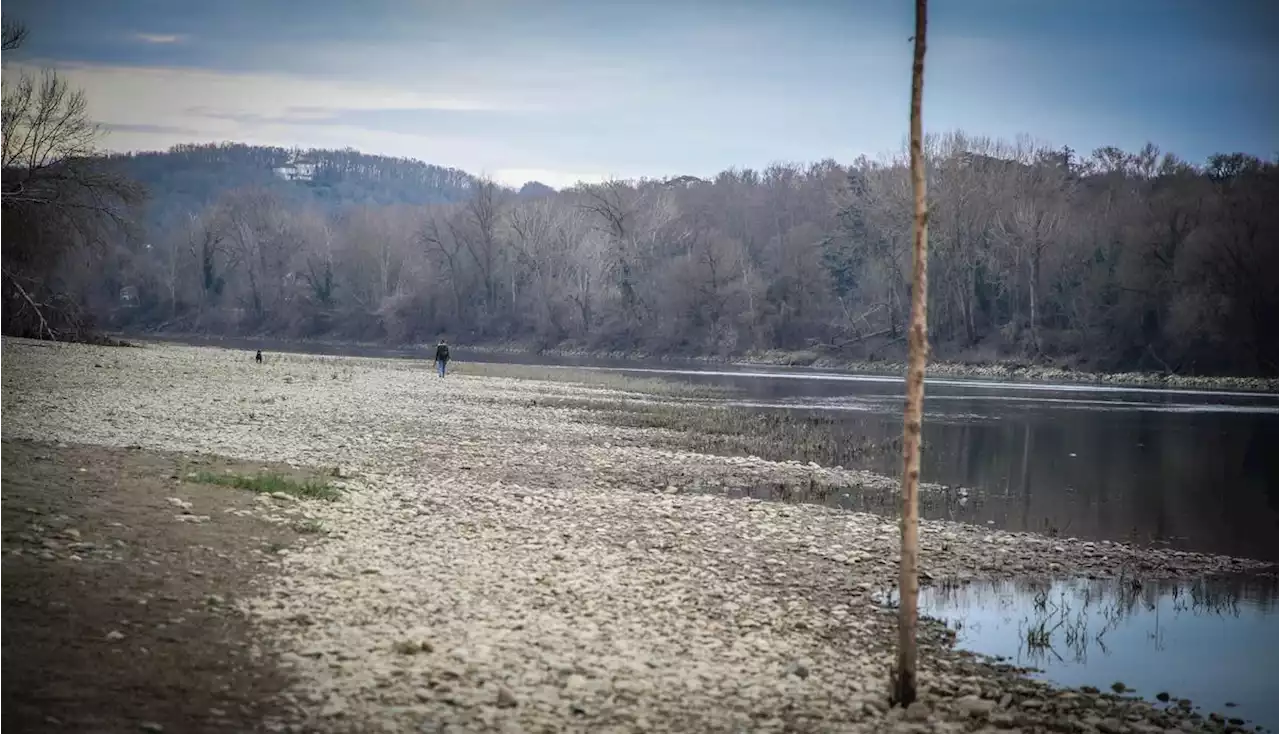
(1012, 371)
(495, 564)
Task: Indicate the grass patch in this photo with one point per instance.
(270, 484)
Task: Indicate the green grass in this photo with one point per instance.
(271, 483)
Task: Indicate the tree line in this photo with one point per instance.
(1114, 260)
(1117, 260)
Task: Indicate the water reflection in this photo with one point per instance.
(1211, 641)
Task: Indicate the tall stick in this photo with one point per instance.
(904, 682)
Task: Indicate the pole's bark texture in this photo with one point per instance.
(917, 350)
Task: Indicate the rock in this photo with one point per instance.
(283, 497)
(574, 682)
(151, 726)
(334, 707)
(1003, 720)
(974, 706)
(180, 503)
(798, 669)
(413, 647)
(917, 711)
(506, 699)
(1162, 696)
(1112, 726)
(115, 636)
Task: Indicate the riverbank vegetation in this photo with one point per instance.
(774, 435)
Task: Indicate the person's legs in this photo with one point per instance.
(441, 363)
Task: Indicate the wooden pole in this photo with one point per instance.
(904, 680)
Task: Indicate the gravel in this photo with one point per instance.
(495, 566)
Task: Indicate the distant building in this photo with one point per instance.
(297, 169)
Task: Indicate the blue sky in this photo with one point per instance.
(567, 89)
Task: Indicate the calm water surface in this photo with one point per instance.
(1193, 470)
(1211, 641)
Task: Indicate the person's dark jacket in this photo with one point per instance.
(442, 352)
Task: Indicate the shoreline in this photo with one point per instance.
(1011, 371)
(497, 564)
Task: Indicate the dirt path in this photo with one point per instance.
(118, 615)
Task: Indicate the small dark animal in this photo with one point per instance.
(258, 357)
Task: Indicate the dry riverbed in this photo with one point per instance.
(494, 564)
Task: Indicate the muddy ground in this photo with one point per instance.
(119, 603)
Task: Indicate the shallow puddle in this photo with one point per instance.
(1214, 642)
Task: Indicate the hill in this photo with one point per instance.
(186, 178)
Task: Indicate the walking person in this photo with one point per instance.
(442, 356)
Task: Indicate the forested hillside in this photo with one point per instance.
(1112, 261)
(189, 177)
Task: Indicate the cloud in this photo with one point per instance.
(143, 128)
(160, 38)
(554, 179)
(152, 108)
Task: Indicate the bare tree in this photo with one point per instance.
(54, 196)
(904, 674)
(440, 241)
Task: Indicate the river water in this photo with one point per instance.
(1192, 470)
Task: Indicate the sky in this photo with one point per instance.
(567, 90)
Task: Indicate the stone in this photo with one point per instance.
(917, 711)
(1112, 726)
(412, 647)
(1003, 720)
(974, 706)
(180, 503)
(799, 669)
(115, 636)
(506, 699)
